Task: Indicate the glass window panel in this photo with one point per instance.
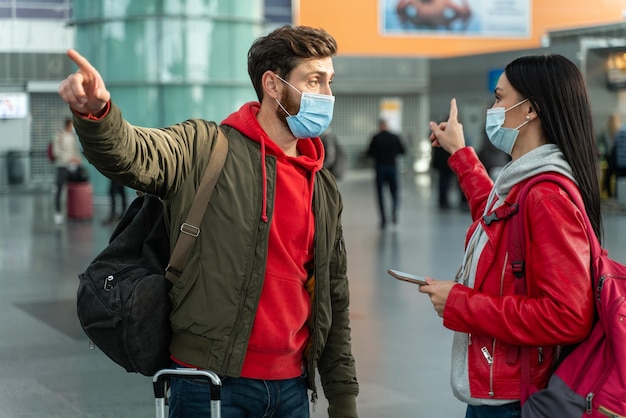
(88, 9)
(37, 3)
(130, 54)
(278, 11)
(40, 13)
(210, 103)
(140, 105)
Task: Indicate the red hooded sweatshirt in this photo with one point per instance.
(280, 332)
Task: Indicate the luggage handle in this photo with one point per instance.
(161, 377)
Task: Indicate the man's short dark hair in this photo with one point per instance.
(281, 50)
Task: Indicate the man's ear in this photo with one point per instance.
(270, 88)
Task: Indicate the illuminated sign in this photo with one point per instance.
(13, 105)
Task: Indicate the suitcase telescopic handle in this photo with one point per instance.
(161, 377)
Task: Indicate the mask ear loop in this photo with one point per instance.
(289, 84)
(512, 107)
(284, 110)
(524, 123)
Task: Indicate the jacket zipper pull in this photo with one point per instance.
(540, 355)
(487, 355)
(589, 403)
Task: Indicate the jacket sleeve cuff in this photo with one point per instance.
(342, 406)
(456, 303)
(462, 157)
(101, 114)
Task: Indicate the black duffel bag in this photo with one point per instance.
(122, 300)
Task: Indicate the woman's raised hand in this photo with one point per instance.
(449, 134)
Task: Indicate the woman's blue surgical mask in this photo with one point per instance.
(501, 137)
(314, 116)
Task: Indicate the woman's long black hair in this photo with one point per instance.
(556, 90)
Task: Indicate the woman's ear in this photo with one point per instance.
(532, 114)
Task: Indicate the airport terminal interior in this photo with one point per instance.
(401, 348)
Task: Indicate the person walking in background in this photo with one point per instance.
(618, 157)
(384, 148)
(492, 158)
(542, 118)
(116, 189)
(335, 158)
(66, 159)
(608, 152)
(264, 298)
(444, 178)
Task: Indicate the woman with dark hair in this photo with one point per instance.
(542, 118)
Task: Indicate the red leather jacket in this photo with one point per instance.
(559, 307)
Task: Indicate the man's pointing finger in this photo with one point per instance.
(83, 65)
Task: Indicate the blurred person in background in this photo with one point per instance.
(67, 160)
(492, 158)
(384, 149)
(116, 189)
(335, 158)
(607, 152)
(444, 178)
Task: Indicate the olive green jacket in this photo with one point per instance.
(215, 299)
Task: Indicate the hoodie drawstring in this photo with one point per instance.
(264, 174)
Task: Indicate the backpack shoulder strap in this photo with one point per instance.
(517, 232)
(517, 254)
(190, 229)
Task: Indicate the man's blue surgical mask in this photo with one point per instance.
(501, 137)
(314, 116)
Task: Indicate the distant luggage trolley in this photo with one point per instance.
(161, 380)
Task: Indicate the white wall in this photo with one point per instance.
(35, 36)
(14, 134)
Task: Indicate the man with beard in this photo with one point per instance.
(263, 300)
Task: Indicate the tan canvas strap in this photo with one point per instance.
(190, 229)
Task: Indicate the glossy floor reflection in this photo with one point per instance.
(402, 351)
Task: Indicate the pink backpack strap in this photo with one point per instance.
(517, 255)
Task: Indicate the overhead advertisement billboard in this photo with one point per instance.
(444, 28)
(484, 18)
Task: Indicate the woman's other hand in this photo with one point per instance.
(438, 291)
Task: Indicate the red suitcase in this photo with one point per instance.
(79, 200)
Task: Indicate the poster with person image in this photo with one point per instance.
(481, 18)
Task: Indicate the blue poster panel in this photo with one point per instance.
(476, 18)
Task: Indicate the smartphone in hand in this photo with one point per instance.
(407, 277)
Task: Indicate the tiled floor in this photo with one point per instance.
(402, 351)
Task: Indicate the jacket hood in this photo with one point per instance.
(311, 150)
(244, 120)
